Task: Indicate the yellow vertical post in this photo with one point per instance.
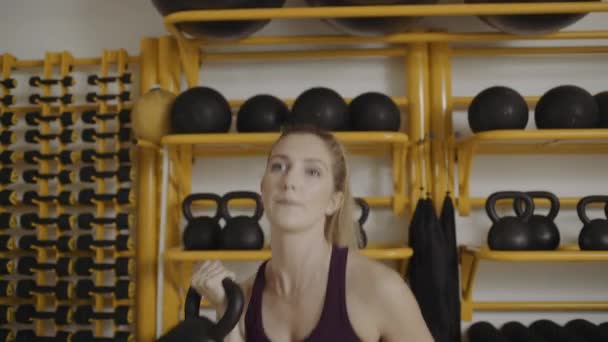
(417, 91)
(146, 233)
(440, 118)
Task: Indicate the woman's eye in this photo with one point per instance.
(313, 172)
(276, 167)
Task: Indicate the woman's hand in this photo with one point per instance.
(207, 281)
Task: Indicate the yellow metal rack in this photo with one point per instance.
(429, 138)
(446, 148)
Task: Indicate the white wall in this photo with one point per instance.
(28, 28)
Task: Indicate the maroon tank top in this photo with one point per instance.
(333, 325)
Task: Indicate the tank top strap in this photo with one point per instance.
(334, 317)
(253, 323)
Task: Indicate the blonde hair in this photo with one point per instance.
(340, 227)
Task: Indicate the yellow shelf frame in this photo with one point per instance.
(471, 256)
(178, 58)
(449, 152)
(177, 254)
(576, 141)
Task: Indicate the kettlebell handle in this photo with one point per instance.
(582, 206)
(493, 198)
(187, 204)
(259, 208)
(233, 312)
(364, 210)
(555, 205)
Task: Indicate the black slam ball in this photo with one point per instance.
(498, 107)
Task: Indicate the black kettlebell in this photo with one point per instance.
(545, 235)
(201, 232)
(510, 233)
(594, 235)
(195, 328)
(361, 221)
(242, 232)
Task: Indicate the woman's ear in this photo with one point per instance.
(335, 203)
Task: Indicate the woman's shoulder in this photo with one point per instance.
(387, 298)
(373, 277)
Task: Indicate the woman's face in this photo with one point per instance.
(297, 187)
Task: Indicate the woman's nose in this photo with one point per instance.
(289, 180)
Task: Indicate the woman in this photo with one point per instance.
(315, 288)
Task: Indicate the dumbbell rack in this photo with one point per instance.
(448, 148)
(56, 113)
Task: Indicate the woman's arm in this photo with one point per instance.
(399, 318)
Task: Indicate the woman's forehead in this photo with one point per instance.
(302, 146)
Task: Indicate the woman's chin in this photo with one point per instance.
(289, 224)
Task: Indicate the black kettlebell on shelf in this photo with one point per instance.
(201, 232)
(242, 232)
(594, 235)
(510, 233)
(545, 235)
(195, 328)
(361, 221)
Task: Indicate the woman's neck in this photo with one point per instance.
(299, 260)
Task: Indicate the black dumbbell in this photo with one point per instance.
(91, 116)
(7, 314)
(6, 289)
(27, 242)
(66, 81)
(66, 136)
(87, 336)
(89, 197)
(7, 221)
(94, 79)
(64, 198)
(32, 176)
(7, 243)
(27, 313)
(35, 118)
(26, 289)
(7, 176)
(9, 83)
(8, 157)
(122, 221)
(93, 97)
(7, 100)
(30, 335)
(122, 266)
(89, 174)
(90, 155)
(36, 99)
(63, 221)
(6, 266)
(121, 316)
(26, 265)
(34, 157)
(123, 289)
(8, 119)
(91, 135)
(8, 198)
(7, 138)
(87, 243)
